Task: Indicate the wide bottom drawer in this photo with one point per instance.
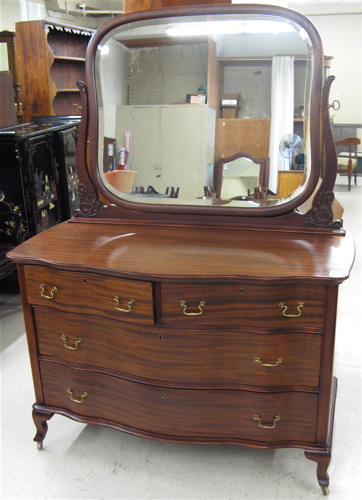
(182, 413)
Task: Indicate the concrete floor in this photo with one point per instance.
(90, 462)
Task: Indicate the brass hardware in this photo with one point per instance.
(277, 363)
(77, 342)
(82, 398)
(77, 108)
(160, 337)
(241, 291)
(266, 426)
(129, 305)
(163, 395)
(299, 307)
(200, 306)
(52, 292)
(335, 105)
(84, 281)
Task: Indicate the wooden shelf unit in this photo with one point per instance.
(51, 58)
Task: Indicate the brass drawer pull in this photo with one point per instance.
(277, 362)
(82, 398)
(299, 307)
(200, 306)
(53, 291)
(266, 426)
(129, 305)
(77, 342)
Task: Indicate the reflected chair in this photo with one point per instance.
(236, 170)
(122, 180)
(348, 163)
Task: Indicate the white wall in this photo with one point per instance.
(13, 11)
(10, 13)
(342, 39)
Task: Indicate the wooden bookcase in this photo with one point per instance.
(50, 59)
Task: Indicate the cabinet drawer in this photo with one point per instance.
(181, 413)
(90, 294)
(249, 305)
(181, 356)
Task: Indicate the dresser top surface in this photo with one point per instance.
(189, 252)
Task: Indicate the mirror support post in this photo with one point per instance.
(321, 214)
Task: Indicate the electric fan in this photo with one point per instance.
(290, 146)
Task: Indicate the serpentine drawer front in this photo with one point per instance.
(130, 301)
(285, 416)
(249, 305)
(208, 358)
(182, 356)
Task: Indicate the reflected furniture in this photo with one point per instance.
(122, 180)
(243, 173)
(157, 132)
(348, 164)
(182, 319)
(288, 181)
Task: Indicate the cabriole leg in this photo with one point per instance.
(323, 459)
(40, 418)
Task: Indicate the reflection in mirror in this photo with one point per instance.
(179, 94)
(242, 177)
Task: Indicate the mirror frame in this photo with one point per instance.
(96, 201)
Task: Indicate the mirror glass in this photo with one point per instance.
(176, 95)
(240, 177)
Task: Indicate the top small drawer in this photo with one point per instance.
(245, 305)
(117, 298)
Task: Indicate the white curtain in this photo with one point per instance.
(282, 112)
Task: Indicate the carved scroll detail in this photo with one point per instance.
(321, 215)
(88, 206)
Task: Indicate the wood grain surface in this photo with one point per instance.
(175, 357)
(187, 252)
(181, 412)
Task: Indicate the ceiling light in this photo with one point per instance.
(229, 28)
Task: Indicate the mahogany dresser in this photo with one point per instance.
(206, 322)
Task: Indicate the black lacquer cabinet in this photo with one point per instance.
(38, 178)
